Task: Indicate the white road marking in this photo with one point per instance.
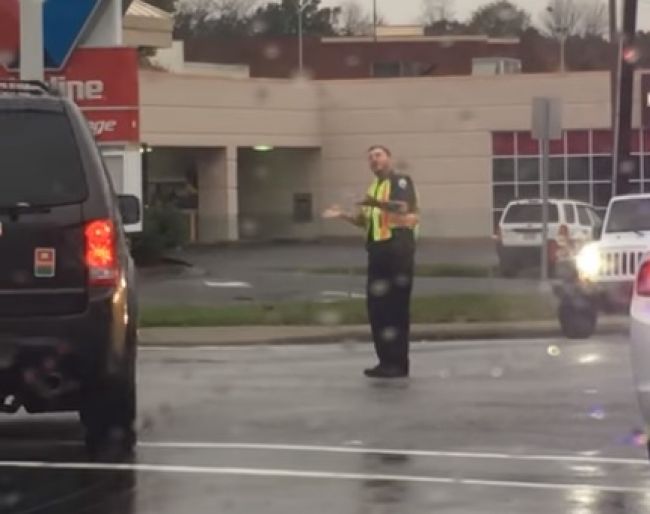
(343, 294)
(385, 451)
(287, 473)
(417, 345)
(228, 284)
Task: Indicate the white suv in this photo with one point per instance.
(605, 270)
(519, 238)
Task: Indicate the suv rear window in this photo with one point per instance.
(39, 161)
(530, 213)
(631, 215)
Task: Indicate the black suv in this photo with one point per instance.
(68, 313)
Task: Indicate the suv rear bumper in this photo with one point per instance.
(45, 361)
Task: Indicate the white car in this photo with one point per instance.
(519, 238)
(604, 274)
(640, 337)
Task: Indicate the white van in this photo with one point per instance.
(519, 237)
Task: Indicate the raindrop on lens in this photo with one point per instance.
(272, 52)
(379, 288)
(329, 317)
(249, 228)
(389, 334)
(352, 61)
(554, 351)
(402, 280)
(496, 372)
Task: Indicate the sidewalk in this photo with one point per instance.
(260, 335)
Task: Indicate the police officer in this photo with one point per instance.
(389, 215)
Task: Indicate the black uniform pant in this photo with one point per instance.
(390, 283)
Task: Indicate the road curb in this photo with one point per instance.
(275, 336)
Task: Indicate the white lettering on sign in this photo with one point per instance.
(79, 90)
(102, 127)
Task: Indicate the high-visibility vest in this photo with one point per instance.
(381, 221)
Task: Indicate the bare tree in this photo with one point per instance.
(595, 18)
(217, 8)
(435, 11)
(353, 20)
(564, 18)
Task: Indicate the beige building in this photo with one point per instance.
(268, 155)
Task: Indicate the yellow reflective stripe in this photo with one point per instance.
(385, 231)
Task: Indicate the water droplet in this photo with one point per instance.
(402, 165)
(597, 413)
(506, 13)
(262, 94)
(496, 372)
(379, 287)
(627, 167)
(261, 173)
(302, 79)
(402, 280)
(389, 334)
(249, 228)
(554, 350)
(329, 317)
(466, 115)
(10, 500)
(272, 51)
(352, 61)
(258, 26)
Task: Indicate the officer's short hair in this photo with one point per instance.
(380, 147)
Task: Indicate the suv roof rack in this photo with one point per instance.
(27, 87)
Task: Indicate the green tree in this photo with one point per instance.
(281, 19)
(500, 19)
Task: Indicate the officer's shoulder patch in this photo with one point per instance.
(403, 183)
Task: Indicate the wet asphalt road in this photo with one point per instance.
(493, 427)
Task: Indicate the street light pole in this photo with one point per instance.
(301, 64)
(374, 19)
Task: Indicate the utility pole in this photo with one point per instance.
(613, 21)
(614, 44)
(622, 171)
(301, 44)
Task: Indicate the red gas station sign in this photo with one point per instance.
(104, 83)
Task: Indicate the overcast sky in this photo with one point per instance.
(407, 11)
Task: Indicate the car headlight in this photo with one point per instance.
(588, 262)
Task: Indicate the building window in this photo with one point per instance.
(580, 167)
(303, 211)
(386, 69)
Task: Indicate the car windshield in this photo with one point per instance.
(530, 213)
(40, 164)
(630, 215)
(339, 297)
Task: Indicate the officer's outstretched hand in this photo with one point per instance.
(334, 212)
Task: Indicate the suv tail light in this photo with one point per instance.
(643, 280)
(101, 255)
